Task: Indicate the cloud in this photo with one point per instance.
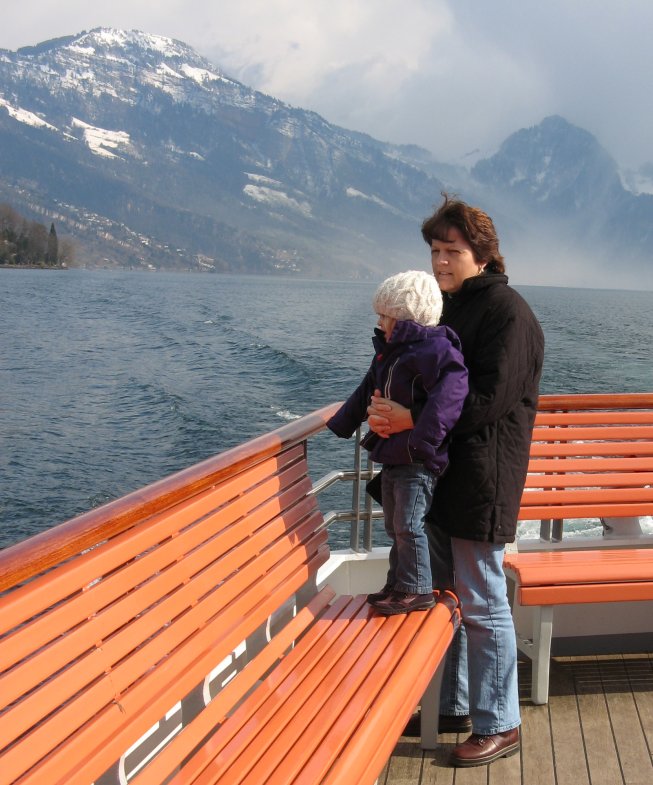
(589, 62)
(294, 50)
(450, 76)
(400, 71)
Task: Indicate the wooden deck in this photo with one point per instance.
(597, 729)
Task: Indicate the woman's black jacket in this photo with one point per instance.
(503, 346)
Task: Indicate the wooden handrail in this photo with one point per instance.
(38, 553)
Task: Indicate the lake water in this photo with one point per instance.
(112, 380)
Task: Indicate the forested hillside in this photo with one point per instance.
(25, 243)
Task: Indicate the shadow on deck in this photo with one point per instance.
(597, 729)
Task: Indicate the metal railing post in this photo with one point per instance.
(354, 537)
(369, 504)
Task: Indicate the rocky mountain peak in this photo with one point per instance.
(554, 163)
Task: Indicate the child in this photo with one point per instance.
(419, 365)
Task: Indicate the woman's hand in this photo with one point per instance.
(385, 417)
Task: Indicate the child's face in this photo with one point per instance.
(386, 324)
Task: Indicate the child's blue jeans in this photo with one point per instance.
(407, 494)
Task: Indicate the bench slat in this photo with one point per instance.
(580, 511)
(585, 480)
(587, 592)
(605, 401)
(594, 418)
(615, 465)
(606, 432)
(558, 498)
(632, 449)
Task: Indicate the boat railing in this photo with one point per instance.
(362, 512)
(39, 553)
(553, 533)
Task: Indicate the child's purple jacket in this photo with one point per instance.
(421, 368)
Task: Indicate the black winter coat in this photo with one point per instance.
(503, 346)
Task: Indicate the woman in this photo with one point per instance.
(474, 513)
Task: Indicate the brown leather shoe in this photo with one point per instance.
(479, 750)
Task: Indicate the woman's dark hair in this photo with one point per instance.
(475, 226)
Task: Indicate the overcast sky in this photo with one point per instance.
(450, 75)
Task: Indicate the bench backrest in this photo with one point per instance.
(591, 456)
(156, 591)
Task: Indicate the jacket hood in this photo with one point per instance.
(407, 331)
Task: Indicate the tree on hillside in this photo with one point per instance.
(9, 221)
(37, 242)
(52, 254)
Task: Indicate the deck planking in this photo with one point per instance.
(597, 729)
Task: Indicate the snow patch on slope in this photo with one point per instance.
(274, 198)
(102, 141)
(353, 193)
(23, 116)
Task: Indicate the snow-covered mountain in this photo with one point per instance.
(147, 154)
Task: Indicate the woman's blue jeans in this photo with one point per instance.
(480, 676)
(407, 492)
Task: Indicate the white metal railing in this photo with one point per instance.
(362, 512)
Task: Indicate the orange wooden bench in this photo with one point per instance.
(591, 457)
(179, 635)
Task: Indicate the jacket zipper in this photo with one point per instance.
(386, 393)
(388, 381)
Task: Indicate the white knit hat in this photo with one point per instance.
(411, 295)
